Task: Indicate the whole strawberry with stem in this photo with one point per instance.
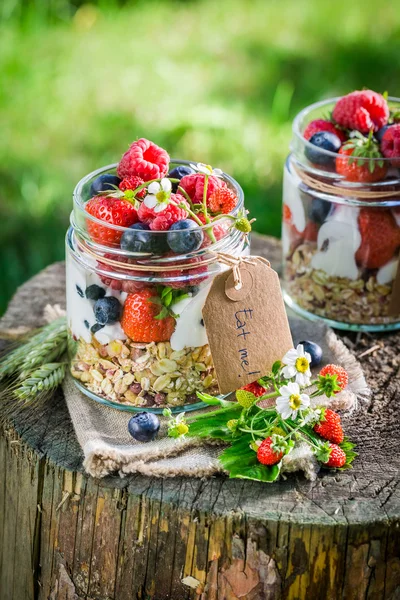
(267, 454)
(360, 160)
(337, 457)
(330, 427)
(109, 209)
(380, 237)
(143, 318)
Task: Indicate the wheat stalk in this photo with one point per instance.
(42, 380)
(43, 347)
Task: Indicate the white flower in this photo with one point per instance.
(159, 195)
(206, 169)
(291, 401)
(297, 365)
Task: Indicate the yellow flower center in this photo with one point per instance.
(295, 401)
(161, 196)
(302, 364)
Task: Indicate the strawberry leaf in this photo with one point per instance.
(241, 462)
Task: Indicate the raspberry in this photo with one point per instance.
(362, 110)
(131, 183)
(255, 388)
(115, 211)
(219, 228)
(144, 159)
(188, 277)
(222, 200)
(341, 374)
(145, 214)
(380, 237)
(322, 125)
(390, 144)
(128, 286)
(337, 457)
(194, 186)
(163, 220)
(265, 454)
(330, 427)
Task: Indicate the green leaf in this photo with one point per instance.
(348, 448)
(276, 367)
(241, 462)
(168, 298)
(162, 314)
(155, 300)
(214, 424)
(165, 290)
(213, 400)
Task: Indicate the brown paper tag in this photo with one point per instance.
(247, 328)
(394, 306)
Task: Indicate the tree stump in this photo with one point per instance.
(67, 536)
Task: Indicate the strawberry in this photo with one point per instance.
(342, 377)
(255, 388)
(265, 453)
(322, 125)
(329, 427)
(380, 237)
(363, 110)
(358, 160)
(337, 457)
(139, 318)
(116, 211)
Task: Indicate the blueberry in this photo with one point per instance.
(144, 426)
(139, 238)
(314, 350)
(107, 310)
(319, 210)
(323, 140)
(96, 327)
(178, 173)
(94, 292)
(102, 183)
(79, 290)
(184, 236)
(378, 135)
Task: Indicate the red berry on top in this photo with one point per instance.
(341, 374)
(255, 388)
(363, 110)
(144, 159)
(163, 220)
(222, 200)
(266, 455)
(330, 427)
(125, 285)
(194, 186)
(390, 144)
(131, 183)
(116, 211)
(337, 457)
(353, 170)
(322, 125)
(380, 237)
(139, 318)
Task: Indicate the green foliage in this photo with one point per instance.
(241, 462)
(218, 82)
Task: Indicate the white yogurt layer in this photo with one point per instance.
(189, 331)
(338, 241)
(291, 197)
(80, 309)
(387, 273)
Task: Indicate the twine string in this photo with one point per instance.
(235, 262)
(338, 190)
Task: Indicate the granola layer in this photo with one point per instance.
(359, 301)
(144, 374)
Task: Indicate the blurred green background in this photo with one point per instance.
(217, 81)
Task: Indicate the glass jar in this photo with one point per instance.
(115, 363)
(340, 238)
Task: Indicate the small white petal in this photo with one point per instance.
(294, 414)
(150, 201)
(290, 357)
(160, 207)
(289, 371)
(154, 187)
(194, 167)
(166, 185)
(307, 356)
(300, 349)
(293, 387)
(285, 390)
(286, 413)
(305, 400)
(217, 172)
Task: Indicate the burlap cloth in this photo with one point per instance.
(103, 434)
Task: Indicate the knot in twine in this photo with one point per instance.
(235, 262)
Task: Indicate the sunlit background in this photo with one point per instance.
(217, 81)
